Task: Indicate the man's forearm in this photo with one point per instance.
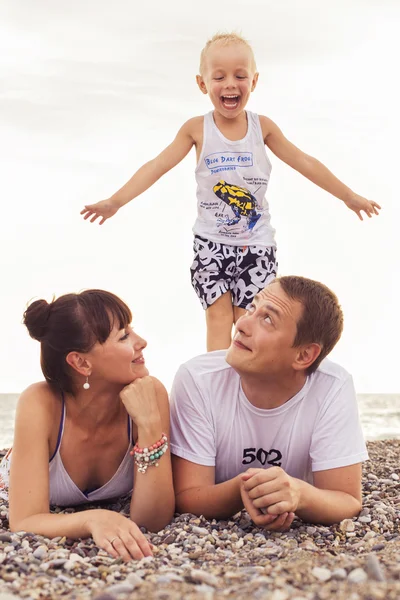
(219, 501)
(325, 506)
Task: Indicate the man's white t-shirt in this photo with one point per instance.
(214, 424)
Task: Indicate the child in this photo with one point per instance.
(234, 244)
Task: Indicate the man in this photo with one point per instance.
(270, 425)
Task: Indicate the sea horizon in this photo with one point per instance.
(379, 414)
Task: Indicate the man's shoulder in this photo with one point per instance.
(331, 370)
(210, 364)
(329, 379)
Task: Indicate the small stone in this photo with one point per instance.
(57, 563)
(5, 537)
(73, 557)
(365, 519)
(279, 595)
(339, 574)
(357, 576)
(321, 573)
(395, 476)
(121, 588)
(202, 531)
(311, 530)
(374, 569)
(378, 547)
(198, 576)
(134, 580)
(40, 553)
(347, 525)
(170, 539)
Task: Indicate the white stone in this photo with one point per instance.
(347, 525)
(321, 573)
(357, 576)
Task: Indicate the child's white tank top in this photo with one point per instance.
(232, 179)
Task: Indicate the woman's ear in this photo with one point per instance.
(79, 363)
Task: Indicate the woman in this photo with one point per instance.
(75, 432)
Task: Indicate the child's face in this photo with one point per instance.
(229, 77)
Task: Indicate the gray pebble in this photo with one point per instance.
(378, 547)
(374, 569)
(40, 553)
(365, 519)
(311, 530)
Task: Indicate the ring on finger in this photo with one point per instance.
(113, 540)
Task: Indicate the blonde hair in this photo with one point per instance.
(225, 39)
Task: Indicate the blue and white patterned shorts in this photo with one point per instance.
(219, 268)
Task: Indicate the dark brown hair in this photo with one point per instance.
(322, 319)
(73, 322)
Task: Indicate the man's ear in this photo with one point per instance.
(201, 84)
(79, 363)
(254, 82)
(306, 355)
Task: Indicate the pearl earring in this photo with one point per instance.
(86, 385)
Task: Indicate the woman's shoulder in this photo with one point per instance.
(39, 399)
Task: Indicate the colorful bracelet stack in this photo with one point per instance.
(148, 457)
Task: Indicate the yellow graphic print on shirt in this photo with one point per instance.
(240, 200)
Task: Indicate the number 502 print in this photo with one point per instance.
(269, 457)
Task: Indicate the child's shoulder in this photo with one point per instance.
(194, 127)
(266, 124)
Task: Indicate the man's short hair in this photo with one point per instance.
(322, 319)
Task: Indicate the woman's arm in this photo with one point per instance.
(29, 486)
(153, 502)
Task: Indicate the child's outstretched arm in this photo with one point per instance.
(144, 178)
(314, 170)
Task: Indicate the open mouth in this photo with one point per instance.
(138, 361)
(230, 102)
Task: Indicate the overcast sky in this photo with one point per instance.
(91, 90)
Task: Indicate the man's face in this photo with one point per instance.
(263, 341)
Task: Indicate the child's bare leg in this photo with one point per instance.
(219, 318)
(238, 311)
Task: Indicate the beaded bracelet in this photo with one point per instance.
(148, 457)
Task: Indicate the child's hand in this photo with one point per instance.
(104, 209)
(358, 204)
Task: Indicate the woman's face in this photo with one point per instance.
(119, 360)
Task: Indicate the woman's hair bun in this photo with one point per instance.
(36, 317)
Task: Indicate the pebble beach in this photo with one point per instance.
(198, 559)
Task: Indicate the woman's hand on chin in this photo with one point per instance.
(118, 535)
(140, 401)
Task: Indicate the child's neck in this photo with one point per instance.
(233, 129)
